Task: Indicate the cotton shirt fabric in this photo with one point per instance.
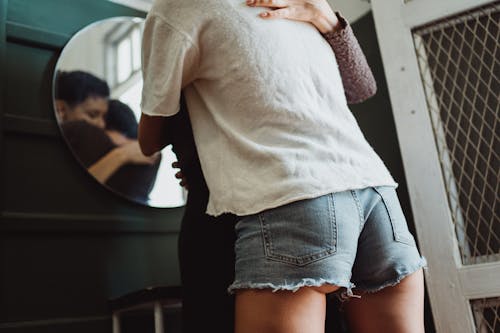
(266, 102)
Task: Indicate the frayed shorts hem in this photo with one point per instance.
(290, 286)
(422, 264)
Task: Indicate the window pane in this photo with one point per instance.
(124, 61)
(136, 49)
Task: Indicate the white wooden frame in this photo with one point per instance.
(450, 284)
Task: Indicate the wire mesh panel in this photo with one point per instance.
(486, 314)
(460, 68)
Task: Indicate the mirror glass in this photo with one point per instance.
(97, 93)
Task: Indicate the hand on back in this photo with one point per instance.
(317, 12)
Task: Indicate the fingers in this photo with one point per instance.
(184, 184)
(180, 175)
(319, 12)
(278, 13)
(267, 3)
(284, 12)
(285, 9)
(183, 179)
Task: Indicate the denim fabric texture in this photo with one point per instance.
(355, 238)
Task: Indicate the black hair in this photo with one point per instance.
(121, 118)
(76, 86)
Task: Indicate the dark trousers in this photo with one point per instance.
(206, 255)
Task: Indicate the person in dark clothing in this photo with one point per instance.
(113, 157)
(205, 244)
(81, 96)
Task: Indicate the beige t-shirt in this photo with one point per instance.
(266, 102)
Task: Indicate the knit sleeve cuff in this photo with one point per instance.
(357, 77)
(340, 32)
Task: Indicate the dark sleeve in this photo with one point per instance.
(87, 142)
(357, 77)
(134, 181)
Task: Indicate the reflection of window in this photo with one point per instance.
(123, 53)
(123, 63)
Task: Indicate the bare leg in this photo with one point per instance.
(265, 311)
(398, 309)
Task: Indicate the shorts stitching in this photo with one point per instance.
(333, 224)
(266, 236)
(360, 212)
(397, 236)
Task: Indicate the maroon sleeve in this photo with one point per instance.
(357, 78)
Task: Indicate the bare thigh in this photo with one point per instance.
(397, 309)
(265, 311)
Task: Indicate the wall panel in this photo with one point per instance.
(66, 243)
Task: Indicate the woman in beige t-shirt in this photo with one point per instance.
(396, 308)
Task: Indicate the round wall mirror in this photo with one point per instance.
(97, 93)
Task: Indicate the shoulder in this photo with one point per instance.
(81, 130)
(88, 142)
(179, 15)
(175, 21)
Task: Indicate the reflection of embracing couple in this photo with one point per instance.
(103, 135)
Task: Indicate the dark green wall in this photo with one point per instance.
(66, 243)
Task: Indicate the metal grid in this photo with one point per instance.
(460, 67)
(486, 314)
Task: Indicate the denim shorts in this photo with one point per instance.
(354, 238)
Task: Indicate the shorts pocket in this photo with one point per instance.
(396, 215)
(301, 232)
